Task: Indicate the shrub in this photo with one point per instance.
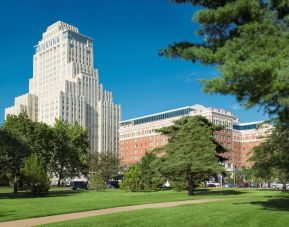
(132, 179)
(37, 179)
(96, 181)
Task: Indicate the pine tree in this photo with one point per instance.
(191, 153)
(248, 42)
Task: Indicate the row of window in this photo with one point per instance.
(158, 117)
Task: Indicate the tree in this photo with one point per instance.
(271, 158)
(248, 41)
(151, 177)
(41, 143)
(132, 179)
(190, 154)
(35, 137)
(107, 163)
(13, 147)
(37, 177)
(96, 181)
(70, 150)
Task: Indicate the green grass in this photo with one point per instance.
(254, 209)
(24, 205)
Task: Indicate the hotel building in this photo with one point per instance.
(138, 135)
(66, 86)
(246, 136)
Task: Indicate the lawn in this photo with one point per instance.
(255, 209)
(23, 205)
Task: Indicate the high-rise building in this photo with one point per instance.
(66, 86)
(138, 135)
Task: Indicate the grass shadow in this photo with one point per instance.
(276, 204)
(218, 192)
(279, 204)
(24, 195)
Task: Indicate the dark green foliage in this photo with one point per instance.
(190, 155)
(272, 157)
(15, 149)
(96, 181)
(151, 177)
(132, 179)
(107, 163)
(248, 40)
(70, 150)
(61, 150)
(37, 178)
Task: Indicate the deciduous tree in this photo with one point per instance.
(271, 158)
(107, 163)
(70, 150)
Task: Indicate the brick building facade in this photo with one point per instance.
(138, 135)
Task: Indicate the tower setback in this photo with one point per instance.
(66, 86)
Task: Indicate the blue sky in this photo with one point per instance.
(127, 35)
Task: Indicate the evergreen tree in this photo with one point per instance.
(37, 177)
(150, 175)
(96, 181)
(190, 155)
(248, 41)
(132, 179)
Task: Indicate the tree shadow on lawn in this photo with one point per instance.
(24, 195)
(277, 204)
(218, 192)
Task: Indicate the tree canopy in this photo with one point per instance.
(191, 153)
(248, 42)
(60, 150)
(70, 150)
(272, 157)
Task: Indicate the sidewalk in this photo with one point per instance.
(63, 217)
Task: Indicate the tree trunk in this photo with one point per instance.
(190, 184)
(284, 187)
(59, 179)
(15, 188)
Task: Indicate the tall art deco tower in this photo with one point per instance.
(66, 86)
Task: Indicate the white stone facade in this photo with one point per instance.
(67, 86)
(26, 104)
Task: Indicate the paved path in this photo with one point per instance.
(63, 217)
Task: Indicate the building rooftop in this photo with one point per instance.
(60, 25)
(159, 116)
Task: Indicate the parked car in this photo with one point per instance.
(113, 184)
(76, 185)
(279, 186)
(212, 184)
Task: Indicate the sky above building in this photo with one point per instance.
(127, 35)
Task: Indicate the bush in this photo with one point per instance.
(179, 185)
(37, 179)
(132, 179)
(96, 182)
